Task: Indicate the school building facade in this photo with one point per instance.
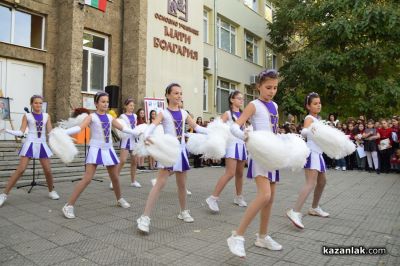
(69, 50)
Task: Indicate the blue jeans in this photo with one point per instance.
(341, 162)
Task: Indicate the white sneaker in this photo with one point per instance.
(136, 184)
(267, 242)
(337, 168)
(123, 203)
(344, 168)
(188, 192)
(295, 218)
(153, 181)
(54, 195)
(212, 203)
(185, 216)
(143, 223)
(239, 200)
(68, 211)
(236, 245)
(111, 186)
(3, 198)
(318, 212)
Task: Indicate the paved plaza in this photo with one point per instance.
(364, 211)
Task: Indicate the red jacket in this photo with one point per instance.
(385, 134)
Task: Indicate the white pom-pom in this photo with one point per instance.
(141, 148)
(72, 121)
(62, 145)
(164, 149)
(297, 149)
(195, 144)
(267, 149)
(332, 141)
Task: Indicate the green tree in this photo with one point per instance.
(348, 51)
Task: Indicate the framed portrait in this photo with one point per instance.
(4, 108)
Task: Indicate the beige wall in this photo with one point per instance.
(164, 67)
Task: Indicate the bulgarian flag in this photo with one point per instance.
(99, 4)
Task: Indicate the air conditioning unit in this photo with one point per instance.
(206, 63)
(253, 79)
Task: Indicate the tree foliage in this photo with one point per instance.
(348, 51)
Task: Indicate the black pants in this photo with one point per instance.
(351, 161)
(197, 160)
(385, 160)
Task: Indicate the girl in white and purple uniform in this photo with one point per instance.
(173, 121)
(35, 146)
(235, 157)
(314, 168)
(263, 115)
(128, 143)
(101, 151)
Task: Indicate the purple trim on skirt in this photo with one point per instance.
(236, 152)
(29, 152)
(99, 159)
(244, 157)
(42, 153)
(308, 164)
(113, 157)
(185, 165)
(250, 170)
(128, 144)
(322, 163)
(277, 176)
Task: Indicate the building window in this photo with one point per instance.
(226, 36)
(270, 59)
(251, 48)
(269, 11)
(223, 90)
(95, 61)
(205, 26)
(253, 4)
(250, 95)
(21, 28)
(205, 94)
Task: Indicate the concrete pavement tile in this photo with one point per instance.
(251, 259)
(121, 224)
(66, 236)
(304, 257)
(77, 223)
(102, 219)
(156, 235)
(7, 254)
(96, 230)
(16, 237)
(218, 252)
(30, 247)
(139, 261)
(85, 246)
(109, 255)
(193, 260)
(345, 261)
(10, 211)
(17, 261)
(52, 256)
(77, 261)
(188, 244)
(129, 242)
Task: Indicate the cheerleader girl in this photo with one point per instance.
(263, 115)
(100, 151)
(235, 158)
(314, 168)
(128, 143)
(141, 119)
(173, 121)
(35, 146)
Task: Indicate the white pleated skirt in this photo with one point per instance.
(101, 154)
(37, 150)
(315, 161)
(237, 151)
(181, 165)
(255, 169)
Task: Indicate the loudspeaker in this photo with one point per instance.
(113, 92)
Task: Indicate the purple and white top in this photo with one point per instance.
(100, 130)
(310, 142)
(266, 116)
(230, 121)
(128, 142)
(174, 123)
(37, 127)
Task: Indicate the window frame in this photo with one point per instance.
(268, 5)
(12, 29)
(232, 87)
(205, 93)
(272, 56)
(89, 63)
(254, 43)
(254, 5)
(232, 32)
(205, 21)
(254, 95)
